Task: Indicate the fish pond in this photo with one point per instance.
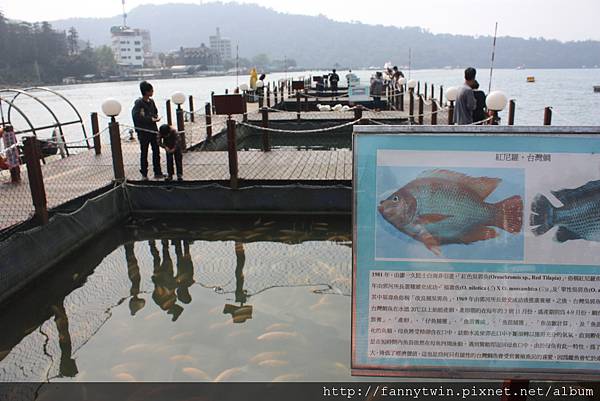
(213, 298)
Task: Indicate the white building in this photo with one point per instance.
(131, 47)
(221, 45)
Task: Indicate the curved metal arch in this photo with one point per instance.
(45, 89)
(22, 92)
(11, 104)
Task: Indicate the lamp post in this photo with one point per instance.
(496, 101)
(179, 98)
(412, 84)
(451, 95)
(401, 83)
(112, 108)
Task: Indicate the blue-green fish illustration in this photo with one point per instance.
(578, 218)
(445, 207)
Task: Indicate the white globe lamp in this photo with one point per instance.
(178, 98)
(496, 101)
(412, 84)
(452, 93)
(111, 107)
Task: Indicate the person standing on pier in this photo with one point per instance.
(145, 117)
(171, 141)
(465, 101)
(376, 90)
(334, 78)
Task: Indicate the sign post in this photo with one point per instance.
(466, 260)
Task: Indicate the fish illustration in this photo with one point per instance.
(445, 207)
(578, 218)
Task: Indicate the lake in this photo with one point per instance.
(569, 92)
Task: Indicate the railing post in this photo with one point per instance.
(95, 131)
(411, 105)
(495, 119)
(181, 127)
(434, 110)
(115, 148)
(275, 94)
(451, 113)
(358, 114)
(432, 96)
(269, 95)
(207, 112)
(441, 95)
(548, 116)
(511, 112)
(32, 154)
(168, 111)
(192, 115)
(425, 90)
(232, 153)
(261, 97)
(421, 108)
(418, 88)
(266, 145)
(212, 101)
(401, 99)
(298, 104)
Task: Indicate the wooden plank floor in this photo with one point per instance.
(66, 179)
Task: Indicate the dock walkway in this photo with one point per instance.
(82, 173)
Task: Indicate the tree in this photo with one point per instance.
(73, 41)
(261, 60)
(105, 60)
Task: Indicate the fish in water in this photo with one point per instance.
(578, 218)
(445, 207)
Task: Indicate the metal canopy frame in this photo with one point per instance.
(57, 123)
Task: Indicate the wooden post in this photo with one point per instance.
(169, 116)
(269, 96)
(434, 109)
(298, 104)
(181, 127)
(411, 105)
(402, 100)
(495, 119)
(425, 90)
(266, 143)
(232, 153)
(548, 116)
(441, 95)
(115, 148)
(432, 92)
(511, 112)
(212, 101)
(358, 114)
(207, 111)
(32, 155)
(95, 131)
(192, 115)
(275, 95)
(421, 108)
(418, 88)
(245, 117)
(451, 113)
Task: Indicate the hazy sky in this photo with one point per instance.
(556, 19)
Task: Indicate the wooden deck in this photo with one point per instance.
(80, 174)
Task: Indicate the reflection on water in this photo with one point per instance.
(230, 299)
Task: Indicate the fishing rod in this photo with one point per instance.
(493, 57)
(237, 65)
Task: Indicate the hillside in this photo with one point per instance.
(321, 42)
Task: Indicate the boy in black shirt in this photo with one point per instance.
(145, 117)
(171, 141)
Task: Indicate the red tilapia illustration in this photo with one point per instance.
(445, 207)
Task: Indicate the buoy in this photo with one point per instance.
(531, 79)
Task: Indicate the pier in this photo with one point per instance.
(273, 145)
